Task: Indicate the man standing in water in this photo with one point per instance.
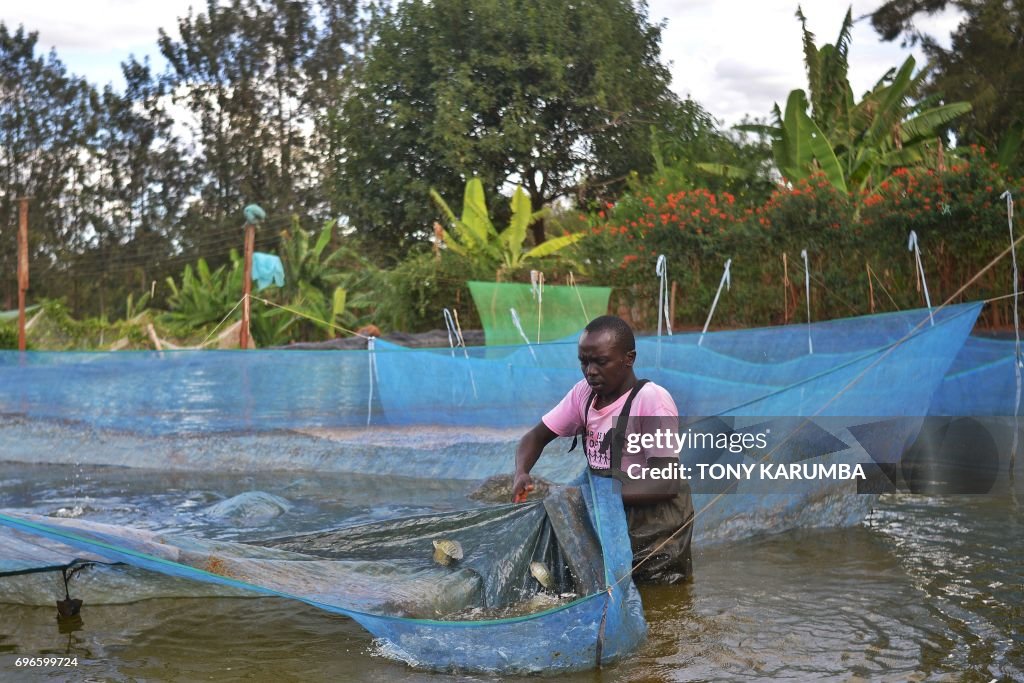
(659, 512)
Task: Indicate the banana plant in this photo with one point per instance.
(306, 264)
(856, 145)
(134, 308)
(801, 147)
(204, 296)
(474, 236)
(318, 285)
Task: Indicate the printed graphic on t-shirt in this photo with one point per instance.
(599, 448)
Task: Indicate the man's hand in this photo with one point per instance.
(521, 487)
(529, 449)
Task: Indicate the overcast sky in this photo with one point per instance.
(735, 57)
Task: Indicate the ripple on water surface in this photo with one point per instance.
(931, 588)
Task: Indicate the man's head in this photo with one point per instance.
(607, 351)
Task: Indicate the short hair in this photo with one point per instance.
(620, 330)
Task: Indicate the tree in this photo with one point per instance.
(856, 144)
(983, 65)
(136, 195)
(689, 152)
(257, 76)
(539, 93)
(47, 118)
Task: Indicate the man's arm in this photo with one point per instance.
(527, 454)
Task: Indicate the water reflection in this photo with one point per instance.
(930, 588)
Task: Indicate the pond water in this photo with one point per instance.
(927, 588)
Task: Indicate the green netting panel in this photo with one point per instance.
(562, 310)
(7, 316)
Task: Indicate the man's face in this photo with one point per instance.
(605, 366)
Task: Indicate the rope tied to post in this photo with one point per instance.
(726, 281)
(807, 289)
(912, 245)
(661, 270)
(1017, 362)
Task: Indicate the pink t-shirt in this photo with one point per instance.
(566, 419)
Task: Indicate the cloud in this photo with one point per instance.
(97, 26)
(737, 57)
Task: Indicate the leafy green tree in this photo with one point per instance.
(47, 118)
(690, 152)
(106, 177)
(135, 197)
(540, 93)
(258, 76)
(983, 65)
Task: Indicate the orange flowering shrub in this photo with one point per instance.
(957, 213)
(811, 214)
(960, 221)
(696, 230)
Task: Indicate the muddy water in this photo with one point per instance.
(929, 588)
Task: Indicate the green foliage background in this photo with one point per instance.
(347, 114)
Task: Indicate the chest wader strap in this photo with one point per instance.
(618, 436)
(586, 412)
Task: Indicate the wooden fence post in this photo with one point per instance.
(250, 246)
(22, 267)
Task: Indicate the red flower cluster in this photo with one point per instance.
(693, 211)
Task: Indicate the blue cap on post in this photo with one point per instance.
(254, 214)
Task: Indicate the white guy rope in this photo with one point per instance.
(452, 323)
(537, 289)
(572, 283)
(807, 289)
(725, 282)
(913, 246)
(661, 270)
(1017, 363)
(449, 324)
(373, 376)
(519, 326)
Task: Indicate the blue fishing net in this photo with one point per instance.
(766, 371)
(427, 417)
(890, 366)
(981, 381)
(454, 617)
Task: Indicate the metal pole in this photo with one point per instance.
(22, 267)
(250, 245)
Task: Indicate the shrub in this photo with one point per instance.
(422, 285)
(8, 336)
(960, 221)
